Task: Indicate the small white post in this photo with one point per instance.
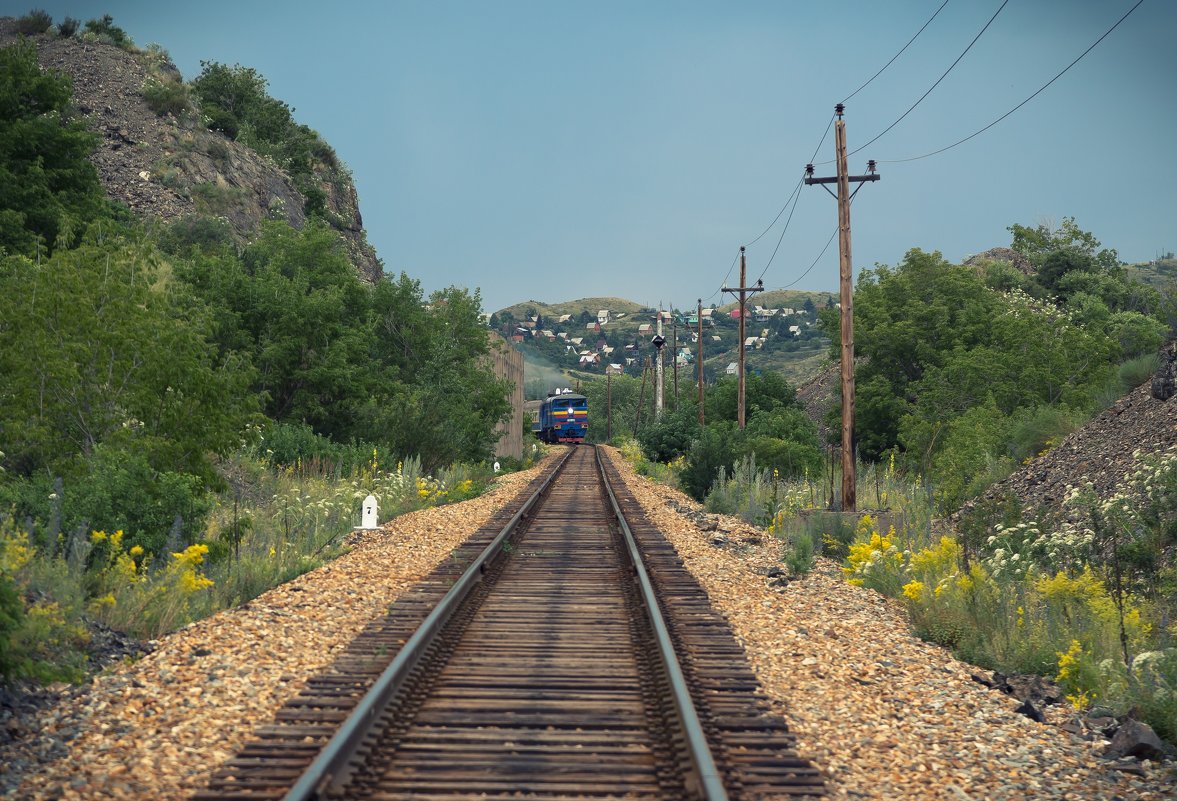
(369, 516)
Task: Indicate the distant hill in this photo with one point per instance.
(555, 350)
(1160, 273)
(792, 298)
(573, 307)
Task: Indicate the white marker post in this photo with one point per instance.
(369, 515)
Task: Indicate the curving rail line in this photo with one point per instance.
(569, 656)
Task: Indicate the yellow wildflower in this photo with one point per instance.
(914, 590)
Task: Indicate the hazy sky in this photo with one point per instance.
(556, 150)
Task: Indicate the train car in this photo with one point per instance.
(563, 417)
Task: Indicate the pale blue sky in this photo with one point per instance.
(556, 150)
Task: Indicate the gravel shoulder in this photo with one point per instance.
(886, 715)
(158, 727)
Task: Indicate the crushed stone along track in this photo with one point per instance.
(545, 683)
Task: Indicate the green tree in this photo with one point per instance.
(626, 391)
(295, 305)
(98, 345)
(48, 190)
(783, 439)
(235, 101)
(764, 392)
(672, 436)
(938, 346)
(1037, 244)
(438, 397)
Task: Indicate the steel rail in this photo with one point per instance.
(711, 784)
(330, 765)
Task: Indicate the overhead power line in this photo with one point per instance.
(729, 275)
(815, 261)
(937, 83)
(1040, 90)
(897, 55)
(795, 191)
(794, 196)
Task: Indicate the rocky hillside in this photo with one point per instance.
(168, 167)
(1101, 452)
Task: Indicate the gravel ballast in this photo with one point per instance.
(886, 715)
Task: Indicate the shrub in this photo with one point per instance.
(166, 96)
(1137, 371)
(213, 198)
(120, 490)
(104, 30)
(217, 119)
(800, 550)
(876, 560)
(296, 445)
(196, 231)
(833, 531)
(710, 455)
(749, 491)
(68, 27)
(1036, 431)
(34, 22)
(669, 438)
(785, 458)
(11, 620)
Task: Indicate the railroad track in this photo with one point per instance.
(562, 653)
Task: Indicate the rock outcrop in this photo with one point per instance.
(1164, 381)
(166, 167)
(1100, 452)
(1007, 255)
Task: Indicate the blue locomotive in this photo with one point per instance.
(563, 417)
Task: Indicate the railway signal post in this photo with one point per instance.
(658, 341)
(846, 295)
(699, 320)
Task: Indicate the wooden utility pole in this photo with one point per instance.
(642, 396)
(743, 292)
(674, 355)
(699, 320)
(846, 296)
(608, 405)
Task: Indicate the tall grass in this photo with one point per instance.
(273, 522)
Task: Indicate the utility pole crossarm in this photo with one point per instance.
(833, 179)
